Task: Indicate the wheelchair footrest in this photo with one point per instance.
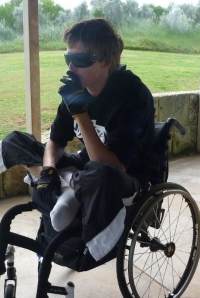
(57, 290)
(67, 291)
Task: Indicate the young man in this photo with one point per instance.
(111, 111)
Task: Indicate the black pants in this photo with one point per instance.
(98, 187)
(20, 148)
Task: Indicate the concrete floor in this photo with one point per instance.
(100, 282)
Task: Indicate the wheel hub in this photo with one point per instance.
(170, 249)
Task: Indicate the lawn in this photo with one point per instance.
(160, 71)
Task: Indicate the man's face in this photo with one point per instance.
(90, 76)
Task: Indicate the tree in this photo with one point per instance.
(81, 12)
(97, 4)
(158, 11)
(130, 10)
(197, 14)
(50, 9)
(15, 3)
(113, 12)
(97, 8)
(98, 13)
(176, 20)
(18, 16)
(6, 33)
(190, 11)
(146, 12)
(6, 15)
(64, 17)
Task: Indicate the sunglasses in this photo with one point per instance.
(80, 59)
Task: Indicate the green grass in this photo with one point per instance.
(165, 71)
(144, 36)
(160, 71)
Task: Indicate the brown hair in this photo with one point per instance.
(99, 38)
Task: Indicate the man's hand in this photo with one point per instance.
(49, 181)
(75, 97)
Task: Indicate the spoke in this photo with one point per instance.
(175, 220)
(150, 266)
(164, 279)
(153, 278)
(180, 259)
(142, 270)
(167, 212)
(142, 254)
(178, 219)
(183, 251)
(179, 276)
(162, 283)
(170, 236)
(172, 267)
(150, 274)
(182, 232)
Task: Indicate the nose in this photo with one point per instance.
(72, 67)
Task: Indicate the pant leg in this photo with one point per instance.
(100, 189)
(20, 148)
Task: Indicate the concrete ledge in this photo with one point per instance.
(184, 106)
(11, 182)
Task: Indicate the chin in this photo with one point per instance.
(82, 82)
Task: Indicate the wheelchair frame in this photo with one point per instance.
(145, 215)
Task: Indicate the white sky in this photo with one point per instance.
(70, 4)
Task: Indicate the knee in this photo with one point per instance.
(101, 169)
(16, 137)
(12, 136)
(110, 175)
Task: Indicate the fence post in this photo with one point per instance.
(198, 125)
(32, 67)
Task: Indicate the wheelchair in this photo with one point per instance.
(158, 252)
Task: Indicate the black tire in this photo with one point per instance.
(9, 291)
(157, 260)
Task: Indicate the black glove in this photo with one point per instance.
(75, 97)
(49, 181)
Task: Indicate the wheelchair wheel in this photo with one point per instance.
(9, 291)
(159, 252)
